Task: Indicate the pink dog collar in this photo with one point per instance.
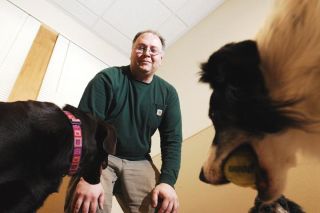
(77, 143)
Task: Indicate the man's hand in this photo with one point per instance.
(168, 196)
(87, 196)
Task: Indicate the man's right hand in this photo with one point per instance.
(87, 197)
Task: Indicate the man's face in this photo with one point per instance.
(146, 56)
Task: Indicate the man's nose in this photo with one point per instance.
(147, 52)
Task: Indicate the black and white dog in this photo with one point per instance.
(40, 143)
(266, 96)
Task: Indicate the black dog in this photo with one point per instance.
(243, 114)
(39, 145)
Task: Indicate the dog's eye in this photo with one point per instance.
(211, 115)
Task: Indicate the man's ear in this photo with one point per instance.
(162, 55)
(106, 137)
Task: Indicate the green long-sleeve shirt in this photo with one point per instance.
(137, 110)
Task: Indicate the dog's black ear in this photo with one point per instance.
(230, 64)
(110, 142)
(107, 136)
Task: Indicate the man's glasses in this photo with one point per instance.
(142, 49)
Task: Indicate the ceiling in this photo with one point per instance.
(117, 21)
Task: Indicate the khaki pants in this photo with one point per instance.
(130, 181)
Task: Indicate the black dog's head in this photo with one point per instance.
(240, 98)
(243, 113)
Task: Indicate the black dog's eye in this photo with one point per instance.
(211, 115)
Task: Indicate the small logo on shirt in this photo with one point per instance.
(159, 112)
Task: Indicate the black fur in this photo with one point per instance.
(36, 146)
(240, 98)
(277, 206)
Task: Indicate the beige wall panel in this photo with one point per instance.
(29, 81)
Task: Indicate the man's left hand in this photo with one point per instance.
(168, 196)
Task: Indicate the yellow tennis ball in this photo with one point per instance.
(240, 167)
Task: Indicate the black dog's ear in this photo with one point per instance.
(110, 142)
(230, 64)
(106, 133)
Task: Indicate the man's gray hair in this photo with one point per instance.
(154, 33)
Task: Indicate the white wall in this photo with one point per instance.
(70, 29)
(69, 70)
